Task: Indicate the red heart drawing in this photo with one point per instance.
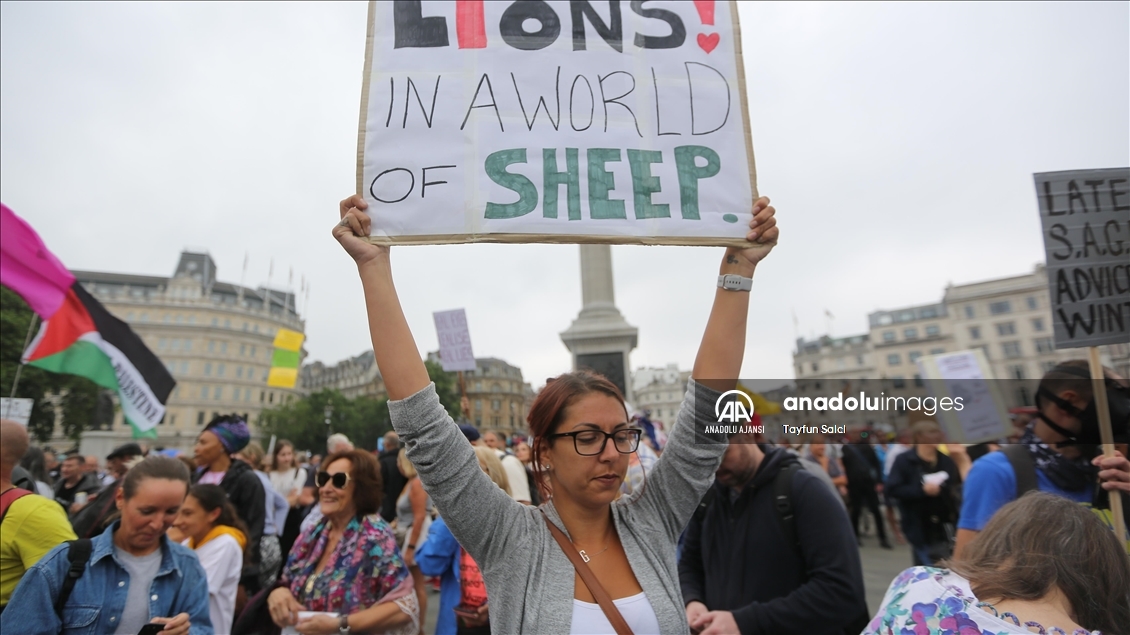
(708, 42)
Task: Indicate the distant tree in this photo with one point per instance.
(79, 396)
(363, 420)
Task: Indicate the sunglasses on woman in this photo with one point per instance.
(339, 480)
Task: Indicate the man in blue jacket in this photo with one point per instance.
(745, 569)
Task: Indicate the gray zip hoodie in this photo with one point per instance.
(529, 579)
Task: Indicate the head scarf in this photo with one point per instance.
(232, 432)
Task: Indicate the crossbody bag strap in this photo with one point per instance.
(602, 598)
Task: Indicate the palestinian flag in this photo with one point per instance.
(83, 338)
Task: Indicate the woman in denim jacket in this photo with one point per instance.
(135, 575)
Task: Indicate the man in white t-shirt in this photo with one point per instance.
(515, 471)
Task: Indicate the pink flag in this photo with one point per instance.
(28, 268)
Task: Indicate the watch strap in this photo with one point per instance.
(343, 625)
(734, 282)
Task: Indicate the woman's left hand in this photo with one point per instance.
(762, 230)
(318, 625)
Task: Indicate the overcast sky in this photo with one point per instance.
(897, 141)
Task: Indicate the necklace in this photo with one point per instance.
(586, 557)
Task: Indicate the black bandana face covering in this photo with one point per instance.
(1071, 475)
(1088, 438)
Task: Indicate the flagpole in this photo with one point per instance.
(20, 367)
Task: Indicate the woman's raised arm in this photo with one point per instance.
(395, 350)
(720, 354)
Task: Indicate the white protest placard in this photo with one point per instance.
(601, 121)
(966, 379)
(1085, 216)
(18, 410)
(454, 340)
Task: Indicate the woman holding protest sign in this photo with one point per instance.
(535, 560)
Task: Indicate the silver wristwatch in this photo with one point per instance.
(734, 282)
(343, 625)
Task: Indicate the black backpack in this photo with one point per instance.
(782, 502)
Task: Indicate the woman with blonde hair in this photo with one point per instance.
(413, 515)
(463, 607)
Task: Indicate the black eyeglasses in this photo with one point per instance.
(592, 442)
(340, 480)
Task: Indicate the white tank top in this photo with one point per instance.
(588, 618)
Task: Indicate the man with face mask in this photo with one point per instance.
(1056, 453)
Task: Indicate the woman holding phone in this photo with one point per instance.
(534, 586)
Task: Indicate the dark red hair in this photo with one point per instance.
(548, 411)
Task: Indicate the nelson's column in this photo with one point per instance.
(600, 339)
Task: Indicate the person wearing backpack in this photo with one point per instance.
(770, 550)
(1056, 453)
(30, 525)
(128, 576)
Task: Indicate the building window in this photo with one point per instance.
(898, 382)
(888, 336)
(184, 367)
(253, 351)
(1048, 366)
(1011, 350)
(262, 396)
(937, 351)
(192, 319)
(215, 321)
(247, 394)
(1000, 308)
(918, 381)
(479, 404)
(969, 312)
(180, 318)
(1045, 345)
(176, 344)
(1006, 328)
(271, 397)
(227, 324)
(495, 404)
(894, 359)
(211, 346)
(188, 345)
(239, 372)
(245, 327)
(219, 393)
(161, 344)
(985, 350)
(815, 367)
(1016, 371)
(913, 356)
(255, 328)
(933, 330)
(1032, 306)
(242, 350)
(129, 316)
(220, 370)
(1038, 324)
(144, 317)
(200, 418)
(166, 318)
(223, 347)
(974, 332)
(910, 333)
(208, 369)
(859, 360)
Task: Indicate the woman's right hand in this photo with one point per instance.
(283, 607)
(353, 232)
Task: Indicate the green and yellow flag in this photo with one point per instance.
(284, 363)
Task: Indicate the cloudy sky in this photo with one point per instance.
(898, 142)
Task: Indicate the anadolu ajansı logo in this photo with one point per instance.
(733, 411)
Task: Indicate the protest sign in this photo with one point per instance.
(454, 340)
(18, 410)
(600, 121)
(1085, 215)
(965, 378)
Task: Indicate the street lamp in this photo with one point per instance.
(329, 412)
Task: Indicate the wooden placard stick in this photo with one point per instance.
(1106, 434)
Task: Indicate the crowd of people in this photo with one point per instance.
(594, 523)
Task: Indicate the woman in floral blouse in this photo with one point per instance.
(348, 562)
(1043, 564)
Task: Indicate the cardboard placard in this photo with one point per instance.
(968, 376)
(454, 340)
(555, 121)
(1085, 216)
